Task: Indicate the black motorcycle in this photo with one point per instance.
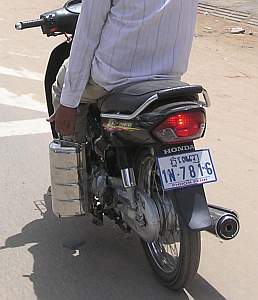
(138, 165)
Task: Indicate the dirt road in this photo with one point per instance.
(226, 65)
(33, 262)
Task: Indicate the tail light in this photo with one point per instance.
(181, 126)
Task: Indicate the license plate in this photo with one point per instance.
(186, 169)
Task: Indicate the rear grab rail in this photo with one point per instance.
(163, 95)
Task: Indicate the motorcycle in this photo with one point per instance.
(138, 166)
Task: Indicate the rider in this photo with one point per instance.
(118, 42)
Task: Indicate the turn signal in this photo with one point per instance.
(181, 126)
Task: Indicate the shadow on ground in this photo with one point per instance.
(110, 265)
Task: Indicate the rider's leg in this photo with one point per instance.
(90, 95)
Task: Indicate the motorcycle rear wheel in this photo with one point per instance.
(175, 256)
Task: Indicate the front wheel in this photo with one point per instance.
(175, 256)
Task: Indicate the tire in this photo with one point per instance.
(175, 256)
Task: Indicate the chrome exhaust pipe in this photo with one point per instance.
(225, 223)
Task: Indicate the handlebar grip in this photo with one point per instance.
(29, 24)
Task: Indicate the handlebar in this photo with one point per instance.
(29, 24)
(52, 23)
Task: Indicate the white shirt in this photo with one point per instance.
(122, 41)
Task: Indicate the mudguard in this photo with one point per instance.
(56, 59)
(191, 205)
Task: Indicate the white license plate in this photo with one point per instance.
(185, 169)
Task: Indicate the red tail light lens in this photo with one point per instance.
(181, 126)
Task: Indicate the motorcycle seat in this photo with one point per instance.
(126, 99)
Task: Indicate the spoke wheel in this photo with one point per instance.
(175, 256)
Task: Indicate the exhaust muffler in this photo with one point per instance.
(225, 223)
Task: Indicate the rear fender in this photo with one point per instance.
(190, 203)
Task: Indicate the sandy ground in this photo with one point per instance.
(34, 265)
(226, 65)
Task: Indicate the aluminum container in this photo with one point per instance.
(66, 172)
